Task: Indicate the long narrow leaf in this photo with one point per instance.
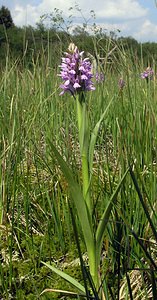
(79, 202)
(140, 242)
(67, 277)
(83, 268)
(105, 217)
(94, 137)
(59, 291)
(144, 205)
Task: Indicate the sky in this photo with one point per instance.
(135, 18)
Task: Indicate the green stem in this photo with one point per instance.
(93, 267)
(84, 150)
(84, 141)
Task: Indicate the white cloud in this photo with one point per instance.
(117, 9)
(49, 5)
(109, 9)
(25, 16)
(126, 15)
(115, 26)
(30, 14)
(147, 31)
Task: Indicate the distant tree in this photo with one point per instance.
(5, 17)
(40, 27)
(128, 42)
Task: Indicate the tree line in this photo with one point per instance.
(29, 44)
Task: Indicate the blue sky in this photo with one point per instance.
(136, 18)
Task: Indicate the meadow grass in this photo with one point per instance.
(36, 223)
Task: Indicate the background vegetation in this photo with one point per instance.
(35, 222)
(29, 43)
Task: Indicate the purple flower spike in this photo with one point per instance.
(121, 83)
(76, 72)
(99, 77)
(148, 74)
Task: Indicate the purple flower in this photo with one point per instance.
(121, 83)
(76, 72)
(99, 77)
(148, 74)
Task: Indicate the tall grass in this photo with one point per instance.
(35, 219)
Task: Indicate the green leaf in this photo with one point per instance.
(143, 203)
(105, 217)
(147, 254)
(67, 277)
(94, 137)
(82, 125)
(79, 202)
(66, 293)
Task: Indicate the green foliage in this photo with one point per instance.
(29, 43)
(6, 18)
(35, 221)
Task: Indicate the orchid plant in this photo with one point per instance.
(147, 74)
(76, 73)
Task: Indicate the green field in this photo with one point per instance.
(39, 216)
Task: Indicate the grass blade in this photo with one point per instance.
(67, 277)
(79, 202)
(143, 203)
(105, 217)
(94, 137)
